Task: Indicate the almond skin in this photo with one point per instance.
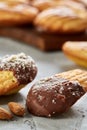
(4, 114)
(16, 108)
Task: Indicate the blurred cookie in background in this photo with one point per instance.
(84, 2)
(45, 4)
(77, 52)
(61, 20)
(16, 1)
(16, 13)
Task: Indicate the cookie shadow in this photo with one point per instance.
(71, 113)
(15, 98)
(71, 67)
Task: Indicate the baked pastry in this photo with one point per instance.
(43, 4)
(15, 72)
(84, 2)
(76, 51)
(14, 13)
(52, 96)
(72, 4)
(16, 1)
(61, 20)
(76, 75)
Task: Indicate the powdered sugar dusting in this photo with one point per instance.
(23, 66)
(54, 94)
(58, 86)
(50, 83)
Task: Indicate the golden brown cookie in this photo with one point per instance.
(44, 4)
(14, 13)
(61, 20)
(76, 51)
(16, 71)
(84, 2)
(75, 75)
(15, 1)
(72, 4)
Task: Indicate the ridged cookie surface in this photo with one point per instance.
(61, 20)
(53, 96)
(77, 52)
(45, 4)
(16, 13)
(15, 72)
(75, 75)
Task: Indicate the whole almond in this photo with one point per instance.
(16, 108)
(4, 114)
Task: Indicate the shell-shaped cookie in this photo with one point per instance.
(15, 1)
(52, 96)
(44, 4)
(84, 2)
(16, 71)
(75, 75)
(61, 20)
(77, 52)
(13, 13)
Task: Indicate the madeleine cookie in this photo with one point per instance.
(61, 20)
(76, 51)
(84, 2)
(16, 1)
(13, 13)
(52, 96)
(76, 75)
(72, 4)
(15, 72)
(43, 4)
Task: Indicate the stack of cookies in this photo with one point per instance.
(46, 24)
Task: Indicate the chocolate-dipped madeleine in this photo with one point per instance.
(52, 96)
(15, 72)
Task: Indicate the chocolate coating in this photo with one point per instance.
(23, 67)
(52, 96)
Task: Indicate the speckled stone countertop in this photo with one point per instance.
(48, 64)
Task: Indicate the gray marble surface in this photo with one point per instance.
(48, 64)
